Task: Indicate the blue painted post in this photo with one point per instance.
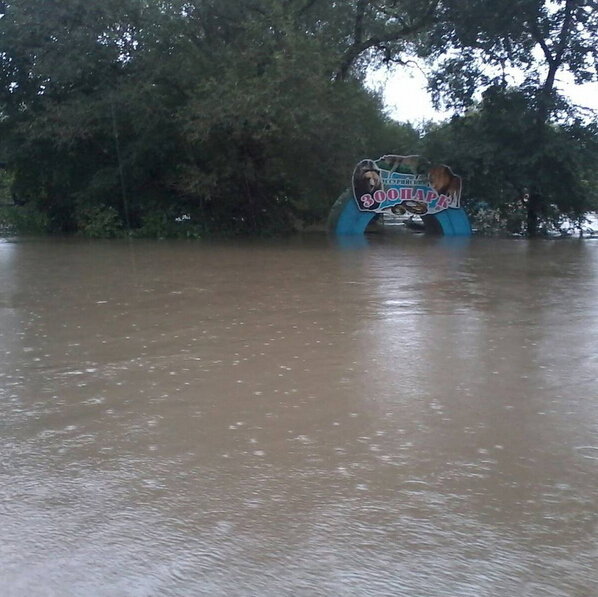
(453, 222)
(345, 217)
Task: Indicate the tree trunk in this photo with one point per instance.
(534, 206)
(554, 59)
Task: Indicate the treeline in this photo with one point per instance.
(247, 116)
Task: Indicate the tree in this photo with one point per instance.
(478, 44)
(226, 111)
(293, 133)
(385, 31)
(494, 148)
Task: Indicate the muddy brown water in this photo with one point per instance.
(395, 416)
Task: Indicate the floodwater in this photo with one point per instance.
(397, 416)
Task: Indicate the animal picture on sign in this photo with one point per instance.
(444, 182)
(405, 184)
(366, 178)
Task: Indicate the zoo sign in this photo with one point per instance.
(405, 184)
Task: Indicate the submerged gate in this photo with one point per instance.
(401, 184)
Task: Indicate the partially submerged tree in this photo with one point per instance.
(246, 114)
(494, 147)
(227, 111)
(487, 44)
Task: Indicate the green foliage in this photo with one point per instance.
(494, 148)
(160, 224)
(226, 112)
(485, 220)
(17, 219)
(23, 220)
(476, 44)
(5, 187)
(509, 218)
(185, 118)
(99, 222)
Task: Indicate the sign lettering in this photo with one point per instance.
(407, 181)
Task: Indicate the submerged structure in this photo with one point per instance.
(401, 184)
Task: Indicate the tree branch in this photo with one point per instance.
(306, 7)
(360, 45)
(566, 28)
(359, 16)
(554, 60)
(537, 36)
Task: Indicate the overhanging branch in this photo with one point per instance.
(361, 45)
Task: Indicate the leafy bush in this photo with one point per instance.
(161, 224)
(99, 222)
(25, 219)
(5, 188)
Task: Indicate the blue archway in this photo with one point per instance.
(346, 218)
